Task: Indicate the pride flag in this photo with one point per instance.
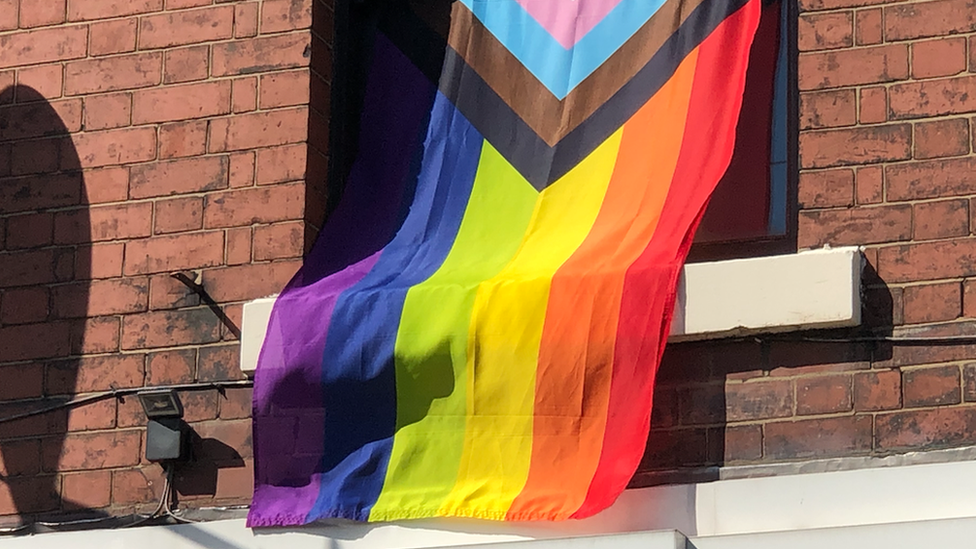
(477, 330)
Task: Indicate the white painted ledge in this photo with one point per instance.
(806, 290)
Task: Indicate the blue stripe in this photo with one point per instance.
(358, 363)
(558, 69)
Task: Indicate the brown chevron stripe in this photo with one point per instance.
(549, 117)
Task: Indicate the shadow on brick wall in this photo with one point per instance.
(729, 402)
(45, 272)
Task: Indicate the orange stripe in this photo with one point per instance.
(573, 380)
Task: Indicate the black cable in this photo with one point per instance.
(209, 301)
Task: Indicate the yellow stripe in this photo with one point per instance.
(431, 344)
(503, 348)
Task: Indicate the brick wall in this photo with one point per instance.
(887, 94)
(139, 138)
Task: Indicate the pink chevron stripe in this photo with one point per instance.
(568, 20)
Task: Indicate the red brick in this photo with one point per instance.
(868, 27)
(36, 193)
(166, 292)
(21, 457)
(233, 433)
(284, 89)
(823, 189)
(34, 495)
(246, 20)
(279, 241)
(932, 98)
(180, 4)
(122, 146)
(96, 335)
(179, 176)
(940, 57)
(236, 482)
(24, 305)
(38, 13)
(260, 54)
(234, 314)
(186, 64)
(927, 261)
(200, 406)
(861, 145)
(827, 109)
(83, 10)
(871, 65)
(117, 36)
(173, 253)
(99, 261)
(248, 281)
(29, 231)
(742, 443)
(114, 222)
(942, 219)
(113, 73)
(43, 46)
(186, 27)
(21, 381)
(285, 15)
(46, 80)
(239, 246)
(170, 328)
(919, 20)
(969, 382)
(106, 185)
(100, 297)
(821, 31)
(942, 138)
(8, 19)
(260, 129)
(93, 416)
(245, 94)
(178, 214)
(925, 429)
(823, 394)
(236, 403)
(219, 363)
(256, 205)
(182, 139)
(877, 390)
(855, 226)
(937, 386)
(40, 119)
(818, 438)
(131, 486)
(26, 268)
(104, 112)
(39, 156)
(758, 400)
(242, 169)
(171, 367)
(278, 164)
(83, 452)
(931, 179)
(181, 102)
(817, 5)
(91, 374)
(88, 490)
(874, 105)
(932, 303)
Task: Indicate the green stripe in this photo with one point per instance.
(431, 345)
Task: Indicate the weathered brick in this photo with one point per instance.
(166, 292)
(238, 246)
(828, 109)
(860, 145)
(93, 416)
(969, 382)
(855, 226)
(877, 390)
(936, 386)
(285, 15)
(88, 490)
(925, 429)
(186, 64)
(248, 281)
(95, 335)
(279, 164)
(931, 179)
(868, 29)
(923, 19)
(99, 261)
(47, 80)
(89, 451)
(871, 65)
(284, 89)
(823, 189)
(261, 129)
(140, 485)
(83, 10)
(200, 406)
(245, 94)
(103, 112)
(178, 214)
(186, 27)
(26, 194)
(928, 260)
(942, 219)
(236, 403)
(181, 139)
(137, 70)
(873, 105)
(932, 98)
(91, 374)
(261, 54)
(823, 394)
(822, 31)
(245, 19)
(941, 138)
(171, 367)
(23, 306)
(122, 146)
(219, 363)
(100, 297)
(40, 119)
(818, 438)
(43, 46)
(181, 102)
(758, 400)
(173, 253)
(179, 176)
(941, 57)
(279, 241)
(116, 36)
(99, 223)
(254, 205)
(170, 328)
(932, 302)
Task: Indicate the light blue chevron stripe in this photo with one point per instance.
(560, 70)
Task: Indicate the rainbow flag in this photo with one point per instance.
(477, 330)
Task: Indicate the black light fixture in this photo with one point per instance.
(164, 433)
